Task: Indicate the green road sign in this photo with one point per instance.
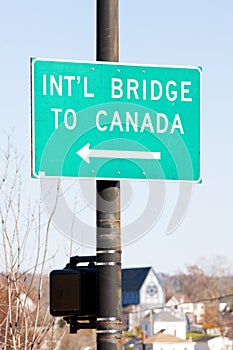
(115, 121)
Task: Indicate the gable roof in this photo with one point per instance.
(179, 298)
(164, 338)
(132, 279)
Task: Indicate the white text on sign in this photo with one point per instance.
(152, 90)
(131, 89)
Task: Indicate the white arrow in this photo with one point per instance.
(85, 153)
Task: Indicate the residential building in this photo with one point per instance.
(141, 292)
(172, 323)
(167, 320)
(162, 341)
(220, 343)
(194, 311)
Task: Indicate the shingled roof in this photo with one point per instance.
(132, 280)
(168, 316)
(164, 338)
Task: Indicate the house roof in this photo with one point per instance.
(168, 316)
(180, 298)
(132, 279)
(164, 338)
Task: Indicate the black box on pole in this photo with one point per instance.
(73, 292)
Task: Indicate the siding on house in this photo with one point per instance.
(135, 282)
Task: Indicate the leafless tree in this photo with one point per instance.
(25, 322)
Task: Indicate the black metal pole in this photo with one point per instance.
(108, 250)
(107, 45)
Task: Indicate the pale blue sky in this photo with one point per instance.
(189, 33)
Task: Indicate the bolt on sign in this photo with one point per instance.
(115, 121)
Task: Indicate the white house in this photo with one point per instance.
(194, 311)
(220, 343)
(141, 292)
(168, 321)
(172, 324)
(162, 341)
